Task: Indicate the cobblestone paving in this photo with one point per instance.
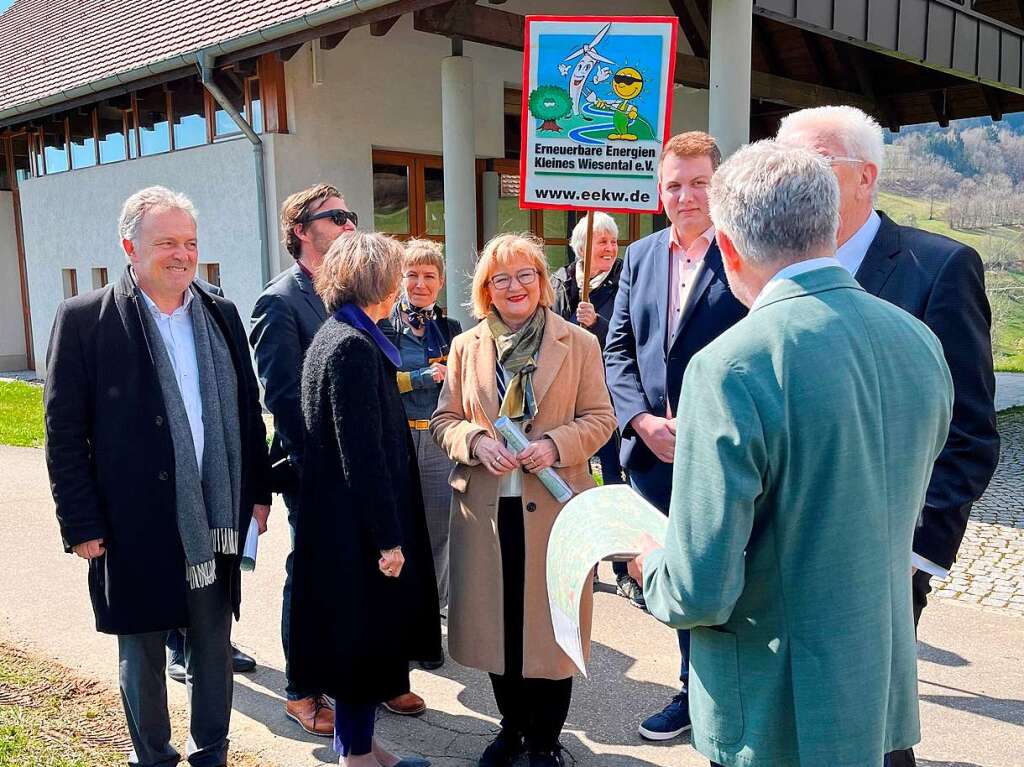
(990, 567)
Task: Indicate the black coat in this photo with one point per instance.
(942, 283)
(568, 293)
(353, 630)
(111, 459)
(285, 319)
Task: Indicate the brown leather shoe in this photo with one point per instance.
(311, 715)
(409, 704)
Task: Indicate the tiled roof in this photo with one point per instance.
(50, 47)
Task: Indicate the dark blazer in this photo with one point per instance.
(942, 283)
(641, 377)
(286, 317)
(353, 630)
(568, 294)
(111, 459)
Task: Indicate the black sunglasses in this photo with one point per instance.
(338, 217)
(626, 79)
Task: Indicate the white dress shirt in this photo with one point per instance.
(851, 253)
(853, 260)
(176, 331)
(685, 266)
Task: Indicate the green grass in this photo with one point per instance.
(21, 415)
(1005, 287)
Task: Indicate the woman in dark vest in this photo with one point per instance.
(594, 316)
(421, 332)
(364, 600)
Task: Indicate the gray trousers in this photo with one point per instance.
(435, 467)
(209, 682)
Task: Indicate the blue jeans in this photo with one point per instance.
(655, 485)
(291, 502)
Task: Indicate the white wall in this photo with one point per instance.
(70, 221)
(12, 328)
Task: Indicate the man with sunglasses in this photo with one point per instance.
(286, 317)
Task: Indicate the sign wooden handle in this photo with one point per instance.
(585, 287)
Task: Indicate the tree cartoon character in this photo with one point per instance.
(550, 103)
(627, 84)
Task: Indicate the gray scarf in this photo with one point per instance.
(208, 502)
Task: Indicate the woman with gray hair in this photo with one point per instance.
(364, 599)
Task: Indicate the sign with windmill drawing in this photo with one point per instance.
(597, 101)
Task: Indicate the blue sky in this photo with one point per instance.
(5, 4)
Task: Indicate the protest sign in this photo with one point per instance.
(597, 100)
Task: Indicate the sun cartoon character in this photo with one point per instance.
(627, 84)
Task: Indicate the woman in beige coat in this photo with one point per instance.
(527, 363)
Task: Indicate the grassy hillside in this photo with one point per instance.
(1005, 287)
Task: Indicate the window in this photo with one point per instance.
(408, 195)
(69, 277)
(99, 277)
(112, 132)
(233, 88)
(21, 156)
(254, 106)
(188, 105)
(210, 272)
(82, 139)
(151, 106)
(6, 176)
(54, 141)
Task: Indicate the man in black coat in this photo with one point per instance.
(942, 283)
(286, 317)
(157, 458)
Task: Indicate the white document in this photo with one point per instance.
(252, 542)
(597, 524)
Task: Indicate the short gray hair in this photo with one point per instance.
(602, 223)
(136, 206)
(857, 132)
(777, 204)
(360, 268)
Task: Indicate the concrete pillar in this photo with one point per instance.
(732, 23)
(490, 192)
(458, 142)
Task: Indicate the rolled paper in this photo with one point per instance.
(518, 441)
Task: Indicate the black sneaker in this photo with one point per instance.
(630, 589)
(547, 758)
(432, 665)
(503, 750)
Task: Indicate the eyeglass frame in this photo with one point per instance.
(841, 160)
(526, 270)
(346, 216)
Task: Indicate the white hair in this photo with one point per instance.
(857, 132)
(136, 206)
(777, 204)
(602, 223)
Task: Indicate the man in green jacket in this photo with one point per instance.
(814, 425)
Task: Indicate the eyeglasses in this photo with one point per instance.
(841, 160)
(503, 281)
(626, 79)
(338, 217)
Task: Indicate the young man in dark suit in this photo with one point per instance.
(942, 283)
(157, 457)
(673, 300)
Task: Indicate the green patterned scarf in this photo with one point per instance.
(517, 353)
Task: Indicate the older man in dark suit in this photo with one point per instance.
(286, 317)
(673, 300)
(941, 282)
(157, 457)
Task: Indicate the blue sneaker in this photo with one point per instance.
(670, 722)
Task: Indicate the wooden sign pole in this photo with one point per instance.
(585, 287)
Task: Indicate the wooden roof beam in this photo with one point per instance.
(694, 25)
(490, 26)
(994, 100)
(764, 45)
(854, 59)
(286, 54)
(940, 104)
(381, 28)
(330, 42)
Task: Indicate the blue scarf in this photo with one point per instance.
(356, 317)
(437, 347)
